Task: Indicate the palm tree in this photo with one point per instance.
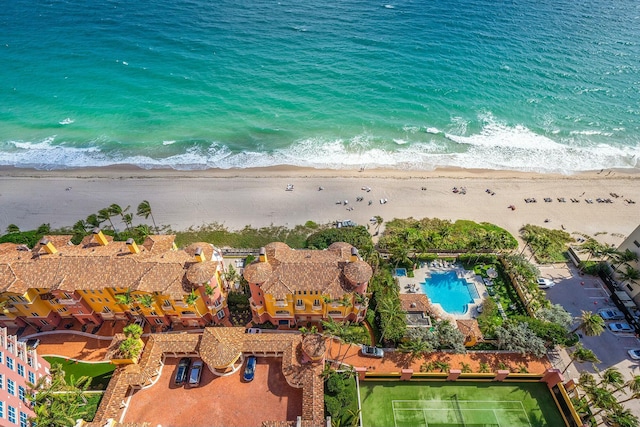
(128, 220)
(125, 299)
(416, 349)
(620, 417)
(633, 386)
(146, 300)
(12, 228)
(581, 355)
(191, 300)
(601, 398)
(590, 324)
(625, 258)
(105, 215)
(116, 209)
(378, 222)
(391, 315)
(93, 221)
(631, 275)
(611, 377)
(143, 230)
(144, 210)
(594, 248)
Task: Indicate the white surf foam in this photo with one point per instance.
(495, 147)
(66, 121)
(433, 130)
(168, 142)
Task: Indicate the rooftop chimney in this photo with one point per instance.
(48, 246)
(97, 233)
(354, 255)
(199, 253)
(133, 247)
(263, 255)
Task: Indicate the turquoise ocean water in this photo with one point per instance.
(544, 85)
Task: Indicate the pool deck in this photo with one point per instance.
(411, 285)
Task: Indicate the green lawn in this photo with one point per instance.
(415, 404)
(99, 372)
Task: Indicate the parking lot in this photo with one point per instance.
(576, 293)
(218, 401)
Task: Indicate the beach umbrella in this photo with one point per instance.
(201, 272)
(491, 272)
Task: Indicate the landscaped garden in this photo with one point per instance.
(100, 373)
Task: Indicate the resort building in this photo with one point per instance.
(297, 287)
(19, 364)
(632, 243)
(98, 280)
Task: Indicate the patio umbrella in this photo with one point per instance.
(201, 272)
(491, 272)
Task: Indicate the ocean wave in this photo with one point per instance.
(66, 121)
(496, 146)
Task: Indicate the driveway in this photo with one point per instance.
(575, 293)
(219, 401)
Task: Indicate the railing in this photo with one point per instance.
(300, 306)
(281, 303)
(315, 307)
(67, 301)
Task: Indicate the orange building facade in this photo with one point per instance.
(101, 280)
(298, 287)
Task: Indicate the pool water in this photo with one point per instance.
(451, 292)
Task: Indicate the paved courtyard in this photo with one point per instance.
(219, 401)
(575, 293)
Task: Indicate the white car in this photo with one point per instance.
(611, 314)
(619, 327)
(545, 283)
(635, 353)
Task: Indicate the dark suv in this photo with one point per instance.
(182, 370)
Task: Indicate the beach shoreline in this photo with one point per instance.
(258, 197)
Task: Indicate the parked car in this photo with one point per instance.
(635, 353)
(611, 314)
(371, 351)
(195, 373)
(545, 283)
(253, 331)
(181, 371)
(250, 369)
(620, 327)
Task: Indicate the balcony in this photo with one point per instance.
(316, 307)
(108, 316)
(282, 313)
(335, 313)
(300, 307)
(67, 301)
(281, 303)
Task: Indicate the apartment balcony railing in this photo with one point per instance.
(316, 307)
(67, 301)
(300, 307)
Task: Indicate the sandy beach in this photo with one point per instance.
(259, 197)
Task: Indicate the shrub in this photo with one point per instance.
(335, 384)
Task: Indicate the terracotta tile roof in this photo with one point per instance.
(202, 272)
(93, 266)
(415, 303)
(288, 270)
(159, 243)
(469, 327)
(221, 347)
(207, 250)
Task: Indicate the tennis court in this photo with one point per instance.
(460, 404)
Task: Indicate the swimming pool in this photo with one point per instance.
(452, 293)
